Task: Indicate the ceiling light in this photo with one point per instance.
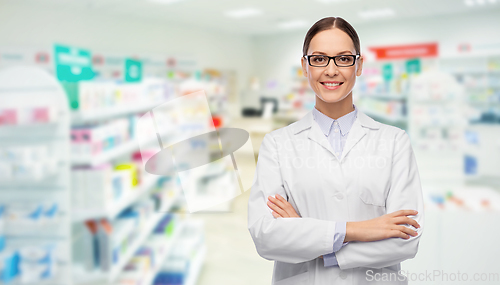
(294, 24)
(243, 13)
(471, 3)
(377, 13)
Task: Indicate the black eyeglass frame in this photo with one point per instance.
(355, 56)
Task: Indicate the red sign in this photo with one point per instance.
(406, 51)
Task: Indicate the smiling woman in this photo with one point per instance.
(332, 83)
(319, 207)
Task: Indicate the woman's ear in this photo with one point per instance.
(360, 66)
(303, 62)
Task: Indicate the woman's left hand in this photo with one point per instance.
(281, 208)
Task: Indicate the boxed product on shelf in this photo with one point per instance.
(99, 95)
(88, 141)
(30, 162)
(9, 265)
(28, 115)
(148, 259)
(23, 217)
(131, 169)
(28, 263)
(98, 188)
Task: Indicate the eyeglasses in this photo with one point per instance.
(340, 60)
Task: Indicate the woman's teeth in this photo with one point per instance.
(331, 84)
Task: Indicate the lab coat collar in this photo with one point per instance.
(357, 132)
(308, 120)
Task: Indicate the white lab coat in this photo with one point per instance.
(377, 174)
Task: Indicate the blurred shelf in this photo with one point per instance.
(196, 266)
(82, 117)
(385, 97)
(122, 204)
(145, 233)
(106, 156)
(386, 117)
(122, 149)
(150, 276)
(84, 277)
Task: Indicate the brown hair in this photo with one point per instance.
(330, 23)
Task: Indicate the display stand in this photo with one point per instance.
(34, 184)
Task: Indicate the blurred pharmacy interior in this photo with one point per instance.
(79, 203)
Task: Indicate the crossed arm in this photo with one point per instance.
(286, 237)
(383, 227)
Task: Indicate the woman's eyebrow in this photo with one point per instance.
(342, 52)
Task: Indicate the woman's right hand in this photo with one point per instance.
(383, 227)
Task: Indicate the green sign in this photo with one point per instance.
(413, 66)
(133, 70)
(387, 72)
(72, 64)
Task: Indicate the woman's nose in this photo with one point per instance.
(331, 69)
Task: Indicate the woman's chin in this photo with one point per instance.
(331, 99)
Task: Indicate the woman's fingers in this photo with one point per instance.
(278, 202)
(284, 208)
(276, 208)
(276, 215)
(406, 220)
(404, 213)
(406, 230)
(400, 234)
(283, 204)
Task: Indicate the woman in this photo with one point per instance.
(336, 197)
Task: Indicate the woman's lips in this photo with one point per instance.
(331, 87)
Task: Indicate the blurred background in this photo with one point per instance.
(77, 206)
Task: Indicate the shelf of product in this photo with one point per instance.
(117, 205)
(35, 226)
(466, 199)
(185, 262)
(145, 233)
(93, 101)
(104, 247)
(436, 128)
(145, 265)
(103, 222)
(479, 75)
(92, 145)
(113, 209)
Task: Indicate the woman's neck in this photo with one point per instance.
(337, 109)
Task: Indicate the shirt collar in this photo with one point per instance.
(345, 122)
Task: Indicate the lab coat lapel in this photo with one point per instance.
(318, 136)
(356, 133)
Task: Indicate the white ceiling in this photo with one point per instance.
(209, 14)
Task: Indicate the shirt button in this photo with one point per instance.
(337, 153)
(343, 274)
(335, 123)
(339, 196)
(336, 130)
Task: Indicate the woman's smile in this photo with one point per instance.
(331, 85)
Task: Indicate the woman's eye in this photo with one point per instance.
(318, 59)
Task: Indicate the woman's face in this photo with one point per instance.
(332, 42)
